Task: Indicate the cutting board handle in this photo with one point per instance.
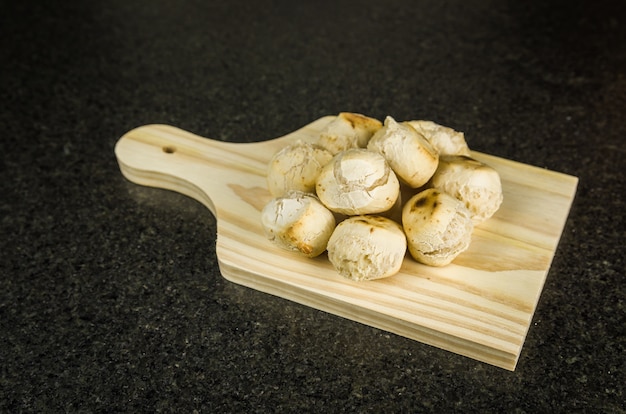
(167, 157)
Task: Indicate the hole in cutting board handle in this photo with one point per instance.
(169, 149)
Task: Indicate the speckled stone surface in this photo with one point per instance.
(110, 295)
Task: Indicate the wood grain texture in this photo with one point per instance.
(480, 306)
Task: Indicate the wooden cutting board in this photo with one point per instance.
(480, 306)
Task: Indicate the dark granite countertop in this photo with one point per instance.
(111, 299)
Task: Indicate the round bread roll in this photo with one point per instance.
(367, 248)
(445, 140)
(438, 227)
(296, 167)
(357, 181)
(298, 222)
(410, 155)
(475, 183)
(348, 130)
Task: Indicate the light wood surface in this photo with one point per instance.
(480, 306)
